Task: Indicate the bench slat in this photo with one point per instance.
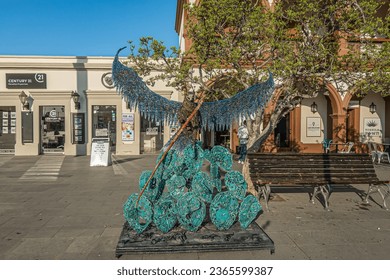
(315, 170)
(310, 169)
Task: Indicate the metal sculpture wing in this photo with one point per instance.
(133, 89)
(214, 115)
(220, 114)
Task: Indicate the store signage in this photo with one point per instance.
(53, 113)
(25, 80)
(100, 152)
(372, 127)
(313, 127)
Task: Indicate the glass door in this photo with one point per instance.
(104, 123)
(152, 136)
(52, 129)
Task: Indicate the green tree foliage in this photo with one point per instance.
(332, 41)
(305, 43)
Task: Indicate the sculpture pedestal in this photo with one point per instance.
(207, 238)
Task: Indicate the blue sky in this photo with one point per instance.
(82, 27)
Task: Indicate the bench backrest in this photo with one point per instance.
(311, 169)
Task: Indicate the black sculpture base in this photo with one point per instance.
(207, 238)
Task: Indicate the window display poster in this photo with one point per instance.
(313, 127)
(78, 128)
(13, 115)
(13, 130)
(5, 115)
(127, 127)
(5, 130)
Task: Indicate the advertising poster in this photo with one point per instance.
(127, 127)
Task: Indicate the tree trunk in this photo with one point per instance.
(256, 139)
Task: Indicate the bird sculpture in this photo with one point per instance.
(177, 191)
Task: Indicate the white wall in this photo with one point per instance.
(64, 75)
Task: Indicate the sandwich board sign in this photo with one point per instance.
(100, 152)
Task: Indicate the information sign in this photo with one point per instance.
(100, 152)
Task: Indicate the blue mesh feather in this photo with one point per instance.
(152, 106)
(214, 115)
(164, 213)
(220, 114)
(235, 183)
(223, 210)
(138, 216)
(249, 209)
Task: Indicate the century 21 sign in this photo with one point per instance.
(26, 81)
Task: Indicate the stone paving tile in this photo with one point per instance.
(26, 222)
(280, 237)
(82, 217)
(46, 232)
(114, 220)
(8, 244)
(69, 221)
(4, 232)
(67, 231)
(18, 233)
(112, 232)
(72, 256)
(375, 251)
(82, 245)
(40, 248)
(283, 252)
(334, 252)
(101, 255)
(104, 247)
(312, 237)
(4, 219)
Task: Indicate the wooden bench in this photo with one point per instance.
(320, 171)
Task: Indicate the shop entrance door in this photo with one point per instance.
(52, 129)
(104, 123)
(282, 134)
(152, 136)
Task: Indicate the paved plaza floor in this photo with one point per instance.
(58, 207)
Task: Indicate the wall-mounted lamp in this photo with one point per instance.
(372, 108)
(314, 108)
(23, 99)
(76, 98)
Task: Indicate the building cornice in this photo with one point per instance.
(56, 62)
(179, 13)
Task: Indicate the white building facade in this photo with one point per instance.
(68, 101)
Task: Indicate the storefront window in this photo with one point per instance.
(7, 128)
